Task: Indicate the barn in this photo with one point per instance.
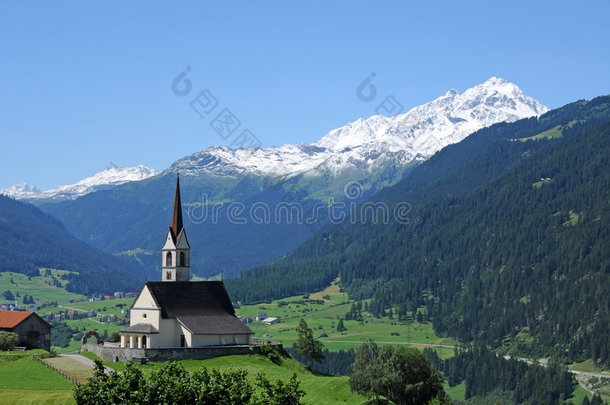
(33, 331)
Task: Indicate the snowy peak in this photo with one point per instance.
(107, 178)
(367, 144)
(22, 190)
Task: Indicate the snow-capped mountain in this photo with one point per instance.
(20, 191)
(366, 144)
(107, 178)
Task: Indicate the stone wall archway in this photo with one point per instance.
(94, 333)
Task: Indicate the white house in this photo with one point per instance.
(177, 312)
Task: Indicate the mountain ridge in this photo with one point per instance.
(111, 176)
(416, 134)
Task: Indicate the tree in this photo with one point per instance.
(401, 374)
(8, 295)
(366, 370)
(307, 346)
(8, 340)
(340, 326)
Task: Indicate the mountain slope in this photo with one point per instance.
(33, 239)
(247, 207)
(107, 178)
(510, 248)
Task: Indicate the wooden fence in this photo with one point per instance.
(39, 358)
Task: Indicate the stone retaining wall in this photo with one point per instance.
(110, 353)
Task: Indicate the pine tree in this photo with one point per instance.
(307, 346)
(340, 326)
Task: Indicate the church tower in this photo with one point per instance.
(176, 251)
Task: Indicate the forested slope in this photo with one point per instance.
(33, 239)
(496, 254)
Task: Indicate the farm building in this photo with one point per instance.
(33, 331)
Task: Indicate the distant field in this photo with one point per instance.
(324, 317)
(42, 287)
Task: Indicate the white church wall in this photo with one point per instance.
(215, 340)
(168, 333)
(145, 300)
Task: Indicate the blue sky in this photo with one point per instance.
(86, 83)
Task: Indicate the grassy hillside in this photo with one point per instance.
(322, 311)
(48, 286)
(319, 389)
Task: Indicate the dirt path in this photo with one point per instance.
(76, 366)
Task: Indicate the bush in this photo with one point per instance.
(8, 340)
(175, 385)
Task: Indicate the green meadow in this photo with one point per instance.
(43, 288)
(23, 380)
(322, 312)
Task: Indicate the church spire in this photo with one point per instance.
(176, 224)
(176, 250)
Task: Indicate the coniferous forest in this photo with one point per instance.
(507, 242)
(34, 239)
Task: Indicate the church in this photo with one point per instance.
(177, 312)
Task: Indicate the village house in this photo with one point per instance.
(270, 320)
(33, 331)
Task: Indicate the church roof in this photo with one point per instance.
(140, 328)
(203, 307)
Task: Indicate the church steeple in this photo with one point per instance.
(176, 250)
(177, 213)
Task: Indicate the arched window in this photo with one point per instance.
(168, 259)
(168, 275)
(181, 259)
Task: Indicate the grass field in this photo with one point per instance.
(318, 389)
(456, 393)
(40, 287)
(587, 366)
(23, 380)
(579, 395)
(324, 317)
(79, 371)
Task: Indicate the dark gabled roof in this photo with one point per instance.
(140, 328)
(214, 325)
(203, 307)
